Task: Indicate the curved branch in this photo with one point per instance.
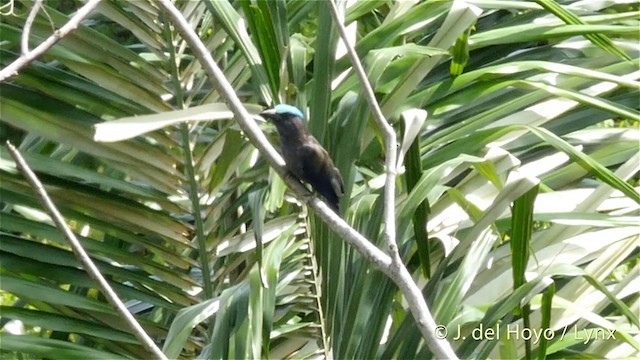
(397, 271)
(26, 58)
(27, 26)
(394, 269)
(258, 139)
(391, 143)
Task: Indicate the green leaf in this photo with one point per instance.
(43, 347)
(132, 126)
(66, 324)
(568, 17)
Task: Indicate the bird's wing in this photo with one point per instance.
(336, 182)
(316, 158)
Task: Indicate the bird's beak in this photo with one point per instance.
(268, 114)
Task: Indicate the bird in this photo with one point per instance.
(305, 158)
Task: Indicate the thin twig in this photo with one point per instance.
(11, 6)
(401, 276)
(27, 26)
(83, 257)
(389, 135)
(25, 59)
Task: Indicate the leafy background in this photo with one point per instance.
(517, 202)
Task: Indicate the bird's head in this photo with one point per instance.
(283, 113)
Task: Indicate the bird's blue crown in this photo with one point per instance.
(282, 109)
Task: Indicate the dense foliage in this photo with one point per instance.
(517, 204)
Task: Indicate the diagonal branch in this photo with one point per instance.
(84, 258)
(258, 139)
(391, 143)
(399, 272)
(26, 58)
(394, 269)
(27, 26)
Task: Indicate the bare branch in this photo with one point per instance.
(398, 272)
(27, 26)
(392, 268)
(26, 58)
(387, 130)
(11, 6)
(83, 257)
(258, 139)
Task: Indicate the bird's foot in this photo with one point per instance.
(289, 175)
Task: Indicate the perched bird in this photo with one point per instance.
(303, 154)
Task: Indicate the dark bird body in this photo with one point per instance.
(305, 158)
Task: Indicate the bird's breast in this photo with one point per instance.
(293, 160)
